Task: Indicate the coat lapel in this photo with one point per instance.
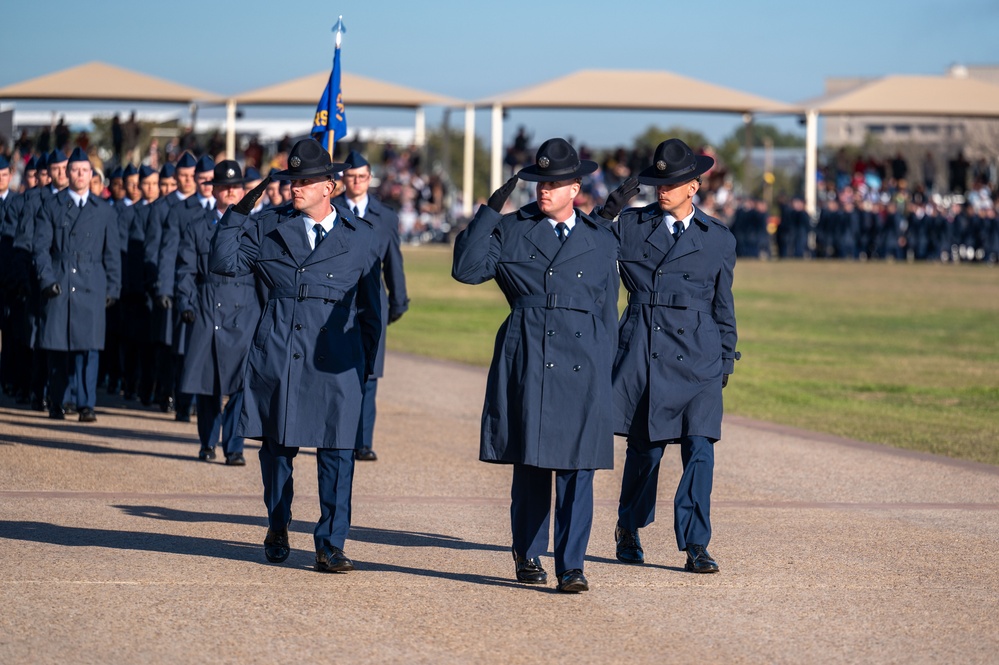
(690, 241)
(333, 244)
(579, 242)
(292, 234)
(658, 235)
(543, 238)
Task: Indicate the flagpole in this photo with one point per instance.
(330, 143)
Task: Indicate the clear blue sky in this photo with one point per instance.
(782, 49)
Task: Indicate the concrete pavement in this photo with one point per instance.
(118, 546)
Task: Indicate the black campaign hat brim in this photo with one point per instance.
(301, 174)
(651, 175)
(534, 174)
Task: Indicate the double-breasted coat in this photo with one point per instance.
(677, 336)
(226, 311)
(315, 343)
(387, 265)
(78, 248)
(548, 393)
(172, 330)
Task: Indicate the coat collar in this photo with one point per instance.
(661, 237)
(291, 229)
(544, 239)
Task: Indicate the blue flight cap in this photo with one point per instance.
(186, 161)
(252, 174)
(356, 160)
(206, 163)
(4, 163)
(78, 155)
(32, 164)
(116, 173)
(129, 170)
(57, 156)
(168, 171)
(145, 171)
(42, 162)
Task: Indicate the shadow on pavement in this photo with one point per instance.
(104, 431)
(91, 448)
(71, 536)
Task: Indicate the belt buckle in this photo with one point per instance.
(551, 301)
(654, 298)
(303, 291)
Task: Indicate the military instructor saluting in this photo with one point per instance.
(548, 395)
(314, 346)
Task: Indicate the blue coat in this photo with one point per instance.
(227, 310)
(677, 336)
(161, 320)
(78, 249)
(316, 341)
(387, 265)
(180, 215)
(548, 393)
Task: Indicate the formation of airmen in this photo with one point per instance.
(115, 292)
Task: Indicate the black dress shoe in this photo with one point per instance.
(276, 547)
(629, 547)
(573, 581)
(529, 571)
(206, 454)
(57, 414)
(330, 559)
(699, 561)
(87, 415)
(365, 455)
(235, 459)
(69, 408)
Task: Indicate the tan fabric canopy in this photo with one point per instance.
(635, 90)
(357, 91)
(97, 81)
(913, 95)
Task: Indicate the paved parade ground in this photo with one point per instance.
(119, 546)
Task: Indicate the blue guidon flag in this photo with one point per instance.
(330, 123)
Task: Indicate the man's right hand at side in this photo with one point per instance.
(52, 290)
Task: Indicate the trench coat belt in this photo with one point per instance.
(85, 257)
(248, 280)
(663, 299)
(553, 301)
(303, 291)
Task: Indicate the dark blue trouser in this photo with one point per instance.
(692, 503)
(530, 512)
(336, 477)
(366, 428)
(213, 420)
(73, 378)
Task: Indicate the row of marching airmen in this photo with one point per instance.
(566, 376)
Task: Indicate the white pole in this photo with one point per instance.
(230, 129)
(420, 129)
(496, 164)
(811, 160)
(468, 169)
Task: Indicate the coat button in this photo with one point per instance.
(660, 273)
(551, 333)
(645, 255)
(657, 328)
(579, 334)
(72, 270)
(655, 356)
(579, 274)
(297, 356)
(329, 275)
(323, 329)
(686, 275)
(284, 253)
(218, 304)
(551, 272)
(576, 368)
(680, 358)
(533, 257)
(549, 365)
(298, 326)
(301, 270)
(679, 331)
(72, 288)
(216, 327)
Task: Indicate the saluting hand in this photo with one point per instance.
(617, 199)
(249, 200)
(500, 196)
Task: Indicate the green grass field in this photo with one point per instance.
(903, 354)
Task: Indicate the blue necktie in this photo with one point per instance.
(320, 233)
(562, 229)
(677, 230)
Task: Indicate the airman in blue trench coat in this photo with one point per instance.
(222, 313)
(387, 265)
(78, 262)
(548, 393)
(676, 349)
(314, 346)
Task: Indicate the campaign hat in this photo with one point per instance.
(227, 172)
(673, 163)
(309, 159)
(556, 160)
